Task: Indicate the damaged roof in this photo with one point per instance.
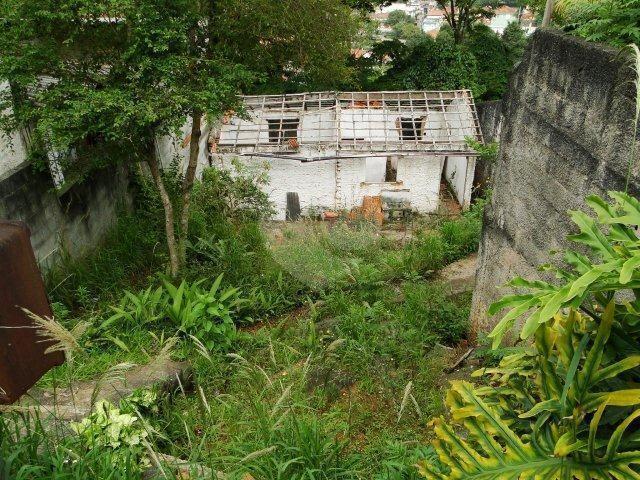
(321, 125)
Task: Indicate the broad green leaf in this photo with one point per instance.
(590, 235)
(616, 369)
(567, 444)
(507, 321)
(629, 266)
(573, 367)
(508, 301)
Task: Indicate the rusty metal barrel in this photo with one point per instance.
(23, 360)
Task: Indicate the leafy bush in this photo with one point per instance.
(209, 315)
(493, 60)
(230, 194)
(138, 310)
(128, 255)
(515, 41)
(400, 460)
(109, 429)
(564, 407)
(434, 65)
(612, 21)
(29, 451)
(205, 314)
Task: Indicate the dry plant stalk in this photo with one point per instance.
(62, 340)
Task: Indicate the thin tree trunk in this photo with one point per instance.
(187, 182)
(174, 261)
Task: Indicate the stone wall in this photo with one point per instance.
(490, 118)
(566, 133)
(74, 221)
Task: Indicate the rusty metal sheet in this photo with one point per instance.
(22, 354)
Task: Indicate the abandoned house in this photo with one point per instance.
(328, 150)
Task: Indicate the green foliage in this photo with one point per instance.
(488, 152)
(205, 314)
(515, 41)
(400, 461)
(208, 315)
(128, 255)
(434, 65)
(446, 318)
(229, 194)
(300, 52)
(29, 451)
(300, 449)
(463, 16)
(398, 17)
(480, 61)
(493, 60)
(611, 21)
(138, 310)
(108, 429)
(564, 407)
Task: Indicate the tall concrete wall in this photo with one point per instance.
(490, 118)
(74, 221)
(566, 133)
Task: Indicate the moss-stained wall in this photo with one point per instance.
(74, 221)
(566, 133)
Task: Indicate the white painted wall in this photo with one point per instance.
(459, 171)
(170, 147)
(341, 184)
(12, 154)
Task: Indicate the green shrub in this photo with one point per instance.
(109, 429)
(29, 451)
(612, 21)
(565, 407)
(207, 314)
(493, 61)
(399, 461)
(129, 254)
(434, 65)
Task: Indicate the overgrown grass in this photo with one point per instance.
(339, 380)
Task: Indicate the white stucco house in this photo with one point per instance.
(332, 149)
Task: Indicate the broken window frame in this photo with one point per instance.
(282, 130)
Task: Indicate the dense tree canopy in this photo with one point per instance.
(463, 15)
(433, 65)
(121, 73)
(481, 62)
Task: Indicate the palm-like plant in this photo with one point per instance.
(564, 407)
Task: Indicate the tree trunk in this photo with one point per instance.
(174, 261)
(187, 182)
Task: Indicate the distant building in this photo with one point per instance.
(502, 16)
(329, 150)
(433, 20)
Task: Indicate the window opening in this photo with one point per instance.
(283, 129)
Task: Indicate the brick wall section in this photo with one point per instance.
(566, 133)
(75, 221)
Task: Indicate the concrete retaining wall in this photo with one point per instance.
(566, 133)
(74, 221)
